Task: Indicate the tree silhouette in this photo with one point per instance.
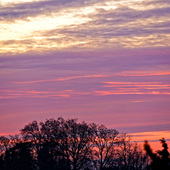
(130, 155)
(4, 144)
(59, 144)
(51, 129)
(19, 157)
(105, 143)
(32, 132)
(76, 143)
(160, 159)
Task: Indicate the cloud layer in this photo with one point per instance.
(55, 25)
(100, 61)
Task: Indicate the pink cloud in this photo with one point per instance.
(62, 79)
(143, 73)
(137, 101)
(134, 88)
(8, 94)
(116, 92)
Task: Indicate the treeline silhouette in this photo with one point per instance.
(69, 145)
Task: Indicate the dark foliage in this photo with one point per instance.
(19, 157)
(160, 159)
(69, 145)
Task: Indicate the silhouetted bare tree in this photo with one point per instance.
(32, 132)
(76, 143)
(69, 145)
(52, 154)
(104, 150)
(130, 155)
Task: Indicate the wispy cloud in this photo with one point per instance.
(12, 94)
(129, 92)
(110, 84)
(138, 88)
(62, 79)
(50, 25)
(143, 73)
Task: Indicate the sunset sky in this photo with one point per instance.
(101, 61)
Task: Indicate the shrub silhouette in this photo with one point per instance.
(160, 159)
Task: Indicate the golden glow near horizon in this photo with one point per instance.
(153, 137)
(88, 26)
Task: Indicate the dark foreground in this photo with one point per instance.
(68, 145)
